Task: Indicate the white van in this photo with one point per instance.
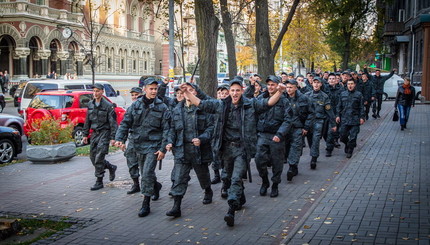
(33, 87)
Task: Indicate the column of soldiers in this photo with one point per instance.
(269, 123)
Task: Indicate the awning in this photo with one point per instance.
(402, 39)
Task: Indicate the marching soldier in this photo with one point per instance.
(148, 118)
(101, 118)
(334, 89)
(272, 127)
(237, 138)
(323, 111)
(350, 115)
(190, 137)
(301, 121)
(368, 91)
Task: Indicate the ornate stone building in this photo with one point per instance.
(41, 36)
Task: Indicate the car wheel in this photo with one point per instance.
(384, 96)
(78, 135)
(418, 96)
(7, 151)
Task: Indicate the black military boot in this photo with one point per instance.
(328, 153)
(229, 217)
(336, 144)
(98, 185)
(402, 127)
(208, 196)
(314, 163)
(224, 188)
(135, 187)
(349, 153)
(292, 171)
(176, 210)
(346, 148)
(264, 186)
(217, 178)
(145, 210)
(157, 188)
(275, 191)
(242, 201)
(374, 115)
(377, 115)
(112, 170)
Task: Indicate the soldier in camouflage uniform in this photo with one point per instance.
(301, 121)
(350, 115)
(368, 91)
(190, 136)
(130, 152)
(323, 111)
(101, 118)
(148, 118)
(236, 141)
(333, 91)
(272, 127)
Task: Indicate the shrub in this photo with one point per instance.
(49, 131)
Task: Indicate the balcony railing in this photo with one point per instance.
(393, 28)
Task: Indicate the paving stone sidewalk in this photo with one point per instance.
(297, 216)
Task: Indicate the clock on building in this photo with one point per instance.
(67, 32)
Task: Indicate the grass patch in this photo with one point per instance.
(34, 230)
(85, 150)
(13, 162)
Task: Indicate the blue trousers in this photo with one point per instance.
(404, 114)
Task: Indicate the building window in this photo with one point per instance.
(134, 64)
(40, 2)
(109, 63)
(122, 64)
(146, 65)
(161, 65)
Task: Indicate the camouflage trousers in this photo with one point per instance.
(270, 153)
(293, 146)
(314, 137)
(99, 148)
(234, 159)
(147, 163)
(132, 161)
(348, 135)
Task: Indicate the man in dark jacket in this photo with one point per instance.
(378, 83)
(190, 136)
(333, 91)
(272, 127)
(368, 91)
(238, 136)
(302, 120)
(323, 111)
(350, 115)
(148, 119)
(101, 118)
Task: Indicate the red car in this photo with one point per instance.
(67, 106)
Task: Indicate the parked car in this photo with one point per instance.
(12, 121)
(10, 144)
(157, 78)
(221, 77)
(392, 84)
(34, 87)
(2, 102)
(67, 106)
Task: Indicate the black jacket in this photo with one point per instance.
(405, 99)
(350, 107)
(101, 117)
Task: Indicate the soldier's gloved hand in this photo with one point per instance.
(304, 132)
(160, 155)
(196, 141)
(85, 140)
(337, 119)
(169, 147)
(276, 139)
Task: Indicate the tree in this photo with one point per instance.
(245, 57)
(229, 38)
(346, 21)
(265, 52)
(207, 36)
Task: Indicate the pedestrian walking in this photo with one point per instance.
(302, 120)
(237, 139)
(333, 91)
(190, 137)
(368, 91)
(323, 112)
(2, 83)
(405, 99)
(272, 127)
(130, 152)
(101, 118)
(6, 80)
(148, 119)
(350, 115)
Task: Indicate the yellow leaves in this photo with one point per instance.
(307, 227)
(245, 57)
(79, 210)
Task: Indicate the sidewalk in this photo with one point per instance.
(372, 194)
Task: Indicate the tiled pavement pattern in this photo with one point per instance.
(334, 193)
(382, 196)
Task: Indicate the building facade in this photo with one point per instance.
(41, 36)
(407, 40)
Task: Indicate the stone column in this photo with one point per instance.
(36, 64)
(63, 55)
(79, 57)
(44, 55)
(22, 55)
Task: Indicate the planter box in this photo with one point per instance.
(51, 153)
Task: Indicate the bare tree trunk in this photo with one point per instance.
(347, 50)
(207, 36)
(229, 38)
(266, 64)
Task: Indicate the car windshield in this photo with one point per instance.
(34, 88)
(110, 92)
(50, 102)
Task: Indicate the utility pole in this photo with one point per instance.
(171, 39)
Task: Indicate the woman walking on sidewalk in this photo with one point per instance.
(405, 98)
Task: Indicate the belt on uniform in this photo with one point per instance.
(188, 143)
(232, 143)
